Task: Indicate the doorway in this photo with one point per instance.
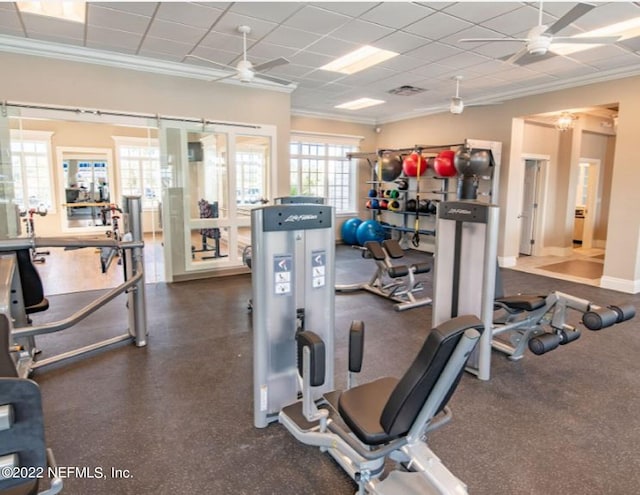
(586, 207)
(531, 214)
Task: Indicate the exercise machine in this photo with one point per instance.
(209, 210)
(30, 227)
(21, 294)
(466, 281)
(24, 458)
(396, 282)
(293, 325)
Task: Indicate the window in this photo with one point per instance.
(139, 167)
(320, 167)
(31, 167)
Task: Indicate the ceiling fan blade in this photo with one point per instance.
(203, 59)
(477, 40)
(270, 64)
(517, 56)
(591, 40)
(228, 76)
(276, 80)
(574, 14)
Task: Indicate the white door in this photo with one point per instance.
(587, 197)
(529, 206)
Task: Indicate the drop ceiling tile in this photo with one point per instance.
(395, 81)
(220, 41)
(605, 51)
(8, 6)
(161, 45)
(432, 52)
(628, 60)
(112, 37)
(309, 83)
(52, 27)
(310, 59)
(478, 12)
(290, 71)
(514, 73)
(110, 47)
(401, 63)
(316, 20)
(229, 22)
(368, 75)
(437, 26)
(189, 14)
(632, 44)
(361, 32)
(471, 32)
(434, 70)
(267, 11)
(160, 55)
(325, 76)
(554, 65)
(270, 51)
(353, 9)
(400, 42)
(142, 8)
(9, 19)
(489, 67)
(294, 38)
(332, 47)
(116, 19)
(56, 39)
(176, 32)
(396, 15)
(516, 21)
(216, 55)
(11, 32)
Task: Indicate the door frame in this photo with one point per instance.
(540, 199)
(592, 200)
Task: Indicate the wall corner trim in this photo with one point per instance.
(506, 261)
(620, 284)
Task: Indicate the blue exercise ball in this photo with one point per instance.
(348, 231)
(370, 230)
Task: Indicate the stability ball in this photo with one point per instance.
(370, 230)
(412, 163)
(391, 167)
(349, 229)
(472, 162)
(443, 164)
(411, 205)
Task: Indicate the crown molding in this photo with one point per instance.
(59, 51)
(299, 112)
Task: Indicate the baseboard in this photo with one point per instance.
(506, 261)
(620, 284)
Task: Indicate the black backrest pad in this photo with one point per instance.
(32, 290)
(414, 387)
(375, 249)
(26, 436)
(316, 347)
(393, 248)
(356, 345)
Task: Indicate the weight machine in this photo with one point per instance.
(293, 327)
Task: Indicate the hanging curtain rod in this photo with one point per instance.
(157, 117)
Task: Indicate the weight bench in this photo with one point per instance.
(388, 418)
(23, 453)
(395, 282)
(209, 210)
(540, 322)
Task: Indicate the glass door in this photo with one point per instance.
(215, 176)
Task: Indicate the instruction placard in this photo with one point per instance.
(282, 270)
(318, 268)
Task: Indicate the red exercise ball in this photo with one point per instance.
(412, 163)
(444, 164)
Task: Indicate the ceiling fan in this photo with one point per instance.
(540, 38)
(244, 70)
(456, 103)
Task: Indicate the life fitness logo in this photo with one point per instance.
(300, 218)
(460, 211)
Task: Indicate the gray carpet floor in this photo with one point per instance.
(178, 414)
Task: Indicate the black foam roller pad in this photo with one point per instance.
(624, 311)
(599, 319)
(544, 343)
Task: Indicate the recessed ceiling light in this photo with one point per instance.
(359, 103)
(625, 30)
(358, 60)
(72, 10)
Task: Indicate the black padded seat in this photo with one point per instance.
(385, 409)
(32, 291)
(375, 249)
(522, 302)
(361, 407)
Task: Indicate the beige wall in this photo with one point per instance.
(622, 263)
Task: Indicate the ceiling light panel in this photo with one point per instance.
(67, 10)
(360, 59)
(359, 104)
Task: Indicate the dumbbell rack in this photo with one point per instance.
(424, 185)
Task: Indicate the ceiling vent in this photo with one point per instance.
(406, 91)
